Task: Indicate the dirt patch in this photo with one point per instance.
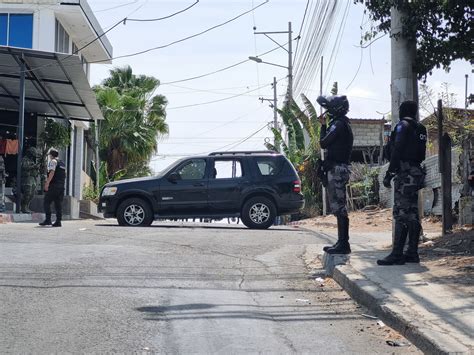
(374, 220)
(450, 258)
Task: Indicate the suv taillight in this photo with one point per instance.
(296, 186)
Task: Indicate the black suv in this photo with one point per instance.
(255, 186)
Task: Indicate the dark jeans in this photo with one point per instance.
(54, 194)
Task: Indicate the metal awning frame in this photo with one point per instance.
(29, 74)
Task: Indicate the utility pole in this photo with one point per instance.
(274, 105)
(404, 83)
(324, 197)
(97, 162)
(290, 56)
(290, 63)
(465, 146)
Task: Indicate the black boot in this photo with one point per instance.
(411, 255)
(342, 246)
(335, 245)
(47, 221)
(396, 256)
(57, 223)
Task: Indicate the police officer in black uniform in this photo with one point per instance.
(54, 188)
(407, 152)
(337, 139)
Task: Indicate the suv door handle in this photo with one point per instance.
(198, 184)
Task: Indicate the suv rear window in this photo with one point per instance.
(268, 166)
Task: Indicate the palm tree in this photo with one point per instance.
(134, 121)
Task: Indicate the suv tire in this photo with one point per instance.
(134, 212)
(258, 213)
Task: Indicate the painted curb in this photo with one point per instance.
(390, 310)
(395, 314)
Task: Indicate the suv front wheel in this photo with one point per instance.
(134, 212)
(258, 213)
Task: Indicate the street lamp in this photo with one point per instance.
(290, 56)
(259, 60)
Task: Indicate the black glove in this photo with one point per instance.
(386, 180)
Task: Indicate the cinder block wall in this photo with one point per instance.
(365, 134)
(432, 190)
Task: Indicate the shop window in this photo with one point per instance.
(16, 30)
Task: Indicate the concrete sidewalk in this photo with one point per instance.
(435, 314)
(21, 217)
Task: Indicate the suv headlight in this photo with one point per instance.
(109, 191)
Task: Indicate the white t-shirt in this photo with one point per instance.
(52, 165)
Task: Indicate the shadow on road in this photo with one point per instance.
(273, 229)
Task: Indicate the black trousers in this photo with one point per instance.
(55, 194)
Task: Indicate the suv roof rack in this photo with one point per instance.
(245, 152)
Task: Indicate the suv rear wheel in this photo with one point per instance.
(258, 213)
(134, 212)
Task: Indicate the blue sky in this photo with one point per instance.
(221, 125)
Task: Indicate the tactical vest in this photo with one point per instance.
(59, 178)
(340, 151)
(415, 150)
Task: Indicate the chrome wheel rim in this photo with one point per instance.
(259, 213)
(134, 215)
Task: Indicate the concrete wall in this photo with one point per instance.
(432, 190)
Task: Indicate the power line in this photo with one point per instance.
(122, 21)
(185, 38)
(301, 28)
(245, 139)
(219, 100)
(161, 18)
(192, 105)
(218, 70)
(337, 45)
(117, 6)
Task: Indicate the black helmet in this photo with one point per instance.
(408, 109)
(335, 105)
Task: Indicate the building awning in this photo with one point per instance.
(55, 84)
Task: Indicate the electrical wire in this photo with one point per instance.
(301, 28)
(117, 6)
(315, 34)
(185, 38)
(218, 70)
(123, 21)
(244, 140)
(219, 100)
(337, 46)
(361, 54)
(161, 18)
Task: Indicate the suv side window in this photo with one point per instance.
(268, 167)
(227, 169)
(194, 169)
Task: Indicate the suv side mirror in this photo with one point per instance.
(174, 177)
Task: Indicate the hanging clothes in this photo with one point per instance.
(11, 147)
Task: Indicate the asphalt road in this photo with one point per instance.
(94, 287)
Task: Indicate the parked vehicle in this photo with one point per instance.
(254, 186)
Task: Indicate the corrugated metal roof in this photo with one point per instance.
(55, 84)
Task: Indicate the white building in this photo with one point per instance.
(55, 89)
